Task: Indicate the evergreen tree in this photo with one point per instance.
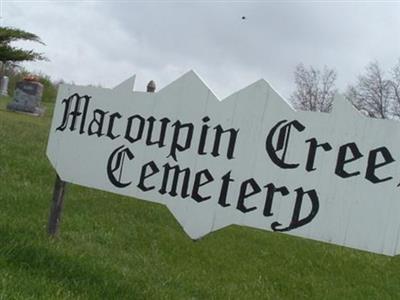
(13, 54)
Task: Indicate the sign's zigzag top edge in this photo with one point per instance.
(340, 103)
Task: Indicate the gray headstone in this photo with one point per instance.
(4, 86)
(27, 97)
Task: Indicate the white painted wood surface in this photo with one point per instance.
(352, 211)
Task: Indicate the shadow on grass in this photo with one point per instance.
(80, 275)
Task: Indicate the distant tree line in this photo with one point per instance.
(375, 93)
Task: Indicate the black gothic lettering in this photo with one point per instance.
(203, 136)
(271, 190)
(75, 113)
(226, 179)
(372, 165)
(198, 183)
(144, 175)
(341, 160)
(313, 150)
(296, 222)
(161, 137)
(175, 179)
(175, 145)
(115, 166)
(282, 143)
(139, 128)
(96, 125)
(232, 141)
(111, 125)
(243, 194)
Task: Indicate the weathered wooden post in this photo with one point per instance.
(60, 187)
(57, 206)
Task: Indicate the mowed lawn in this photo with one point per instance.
(113, 247)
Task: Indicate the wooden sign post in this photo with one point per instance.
(56, 206)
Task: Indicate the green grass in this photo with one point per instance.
(113, 247)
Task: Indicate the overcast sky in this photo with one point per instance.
(104, 42)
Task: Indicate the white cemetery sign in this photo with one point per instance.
(250, 160)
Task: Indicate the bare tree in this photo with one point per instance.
(396, 89)
(315, 89)
(373, 92)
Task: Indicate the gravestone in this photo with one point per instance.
(27, 97)
(4, 86)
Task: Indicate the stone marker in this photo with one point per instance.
(4, 86)
(27, 97)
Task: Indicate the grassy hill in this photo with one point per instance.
(113, 247)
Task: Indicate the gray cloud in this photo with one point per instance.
(105, 42)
